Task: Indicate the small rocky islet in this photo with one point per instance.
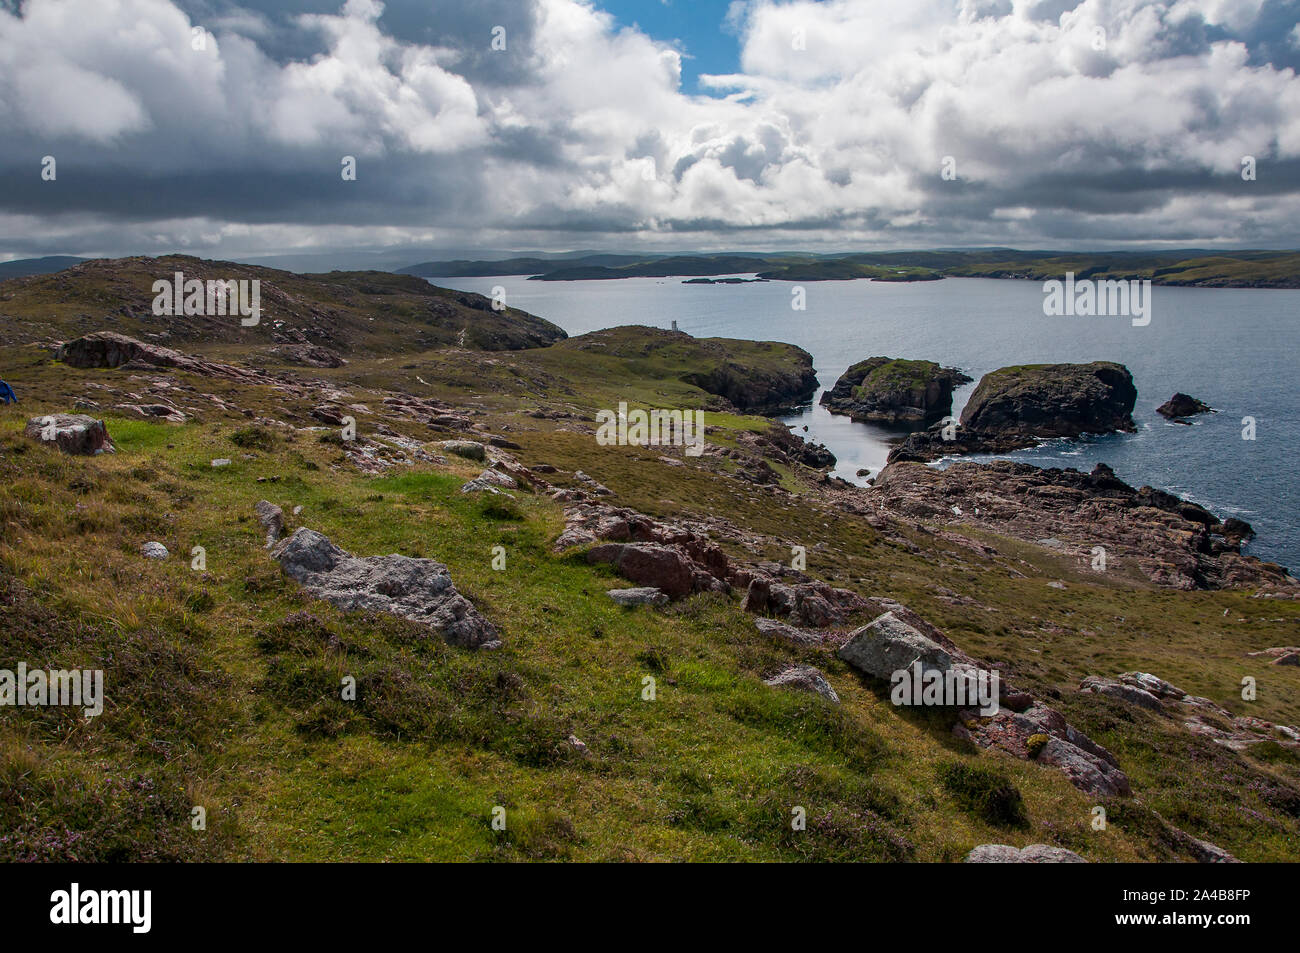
(1017, 407)
(1181, 406)
(641, 561)
(894, 391)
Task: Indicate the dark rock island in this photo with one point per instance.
(894, 391)
(1180, 406)
(1016, 407)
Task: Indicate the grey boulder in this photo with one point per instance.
(639, 596)
(887, 644)
(1033, 854)
(71, 433)
(417, 589)
(468, 449)
(488, 481)
(1097, 685)
(785, 632)
(805, 678)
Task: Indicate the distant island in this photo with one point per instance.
(1196, 268)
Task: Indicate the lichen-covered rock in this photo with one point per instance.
(638, 596)
(417, 589)
(469, 449)
(1086, 771)
(490, 481)
(165, 412)
(785, 632)
(1097, 685)
(1033, 854)
(805, 678)
(71, 433)
(887, 645)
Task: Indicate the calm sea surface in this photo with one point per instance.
(1236, 350)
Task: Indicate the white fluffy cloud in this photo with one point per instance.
(1068, 122)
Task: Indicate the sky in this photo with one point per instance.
(699, 30)
(223, 128)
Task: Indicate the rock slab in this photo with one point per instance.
(417, 589)
(1033, 854)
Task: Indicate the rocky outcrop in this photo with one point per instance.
(1016, 407)
(110, 349)
(674, 559)
(1199, 715)
(894, 391)
(677, 569)
(417, 589)
(1180, 406)
(806, 603)
(804, 678)
(788, 633)
(155, 412)
(1021, 726)
(1280, 655)
(308, 355)
(1042, 734)
(779, 444)
(1033, 854)
(1171, 541)
(490, 481)
(681, 559)
(1115, 688)
(71, 433)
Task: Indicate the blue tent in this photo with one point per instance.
(7, 395)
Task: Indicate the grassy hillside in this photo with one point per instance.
(362, 313)
(223, 684)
